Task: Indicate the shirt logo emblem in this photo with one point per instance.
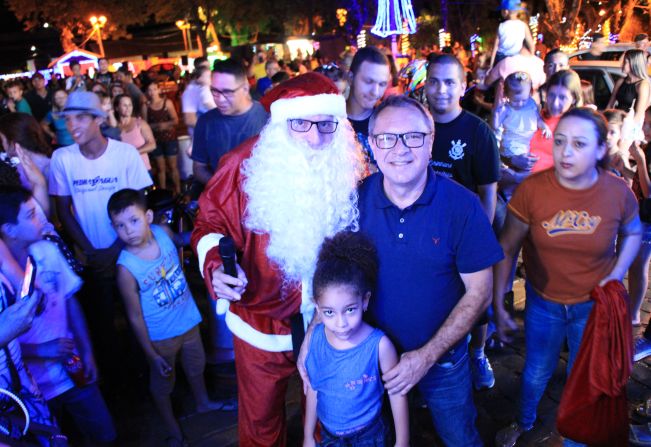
(571, 222)
(436, 240)
(456, 152)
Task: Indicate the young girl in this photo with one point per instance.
(516, 120)
(347, 357)
(512, 33)
(618, 155)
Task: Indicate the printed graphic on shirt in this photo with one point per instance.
(360, 382)
(170, 287)
(571, 222)
(83, 185)
(456, 152)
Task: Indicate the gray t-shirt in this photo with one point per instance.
(216, 134)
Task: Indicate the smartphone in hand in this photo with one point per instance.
(29, 279)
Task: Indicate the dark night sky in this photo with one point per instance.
(8, 22)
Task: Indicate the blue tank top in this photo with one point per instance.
(167, 305)
(348, 383)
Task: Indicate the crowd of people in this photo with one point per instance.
(348, 228)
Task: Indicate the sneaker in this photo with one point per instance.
(508, 436)
(482, 373)
(642, 348)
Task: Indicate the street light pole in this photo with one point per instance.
(98, 23)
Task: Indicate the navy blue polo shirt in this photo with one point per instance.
(422, 250)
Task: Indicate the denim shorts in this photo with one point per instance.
(166, 148)
(374, 434)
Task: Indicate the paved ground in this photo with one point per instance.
(139, 425)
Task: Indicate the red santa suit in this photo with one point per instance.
(260, 321)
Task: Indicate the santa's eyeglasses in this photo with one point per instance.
(301, 125)
(411, 140)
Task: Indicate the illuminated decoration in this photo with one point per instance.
(476, 43)
(85, 58)
(533, 24)
(394, 17)
(404, 43)
(444, 38)
(361, 39)
(606, 29)
(342, 16)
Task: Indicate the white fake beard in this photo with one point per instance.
(300, 196)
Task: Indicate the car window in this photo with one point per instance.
(605, 56)
(600, 85)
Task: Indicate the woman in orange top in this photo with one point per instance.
(567, 219)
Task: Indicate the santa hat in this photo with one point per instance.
(308, 94)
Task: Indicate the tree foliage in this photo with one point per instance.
(229, 17)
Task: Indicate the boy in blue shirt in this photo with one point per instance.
(159, 305)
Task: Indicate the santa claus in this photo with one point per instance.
(278, 196)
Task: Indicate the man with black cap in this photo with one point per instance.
(83, 176)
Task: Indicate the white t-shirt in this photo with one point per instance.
(197, 99)
(91, 183)
(511, 34)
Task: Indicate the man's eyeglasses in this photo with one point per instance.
(409, 139)
(300, 125)
(225, 93)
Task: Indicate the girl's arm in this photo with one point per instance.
(528, 39)
(310, 418)
(642, 101)
(642, 168)
(544, 128)
(399, 408)
(150, 142)
(171, 110)
(46, 128)
(632, 239)
(511, 238)
(494, 53)
(498, 115)
(613, 95)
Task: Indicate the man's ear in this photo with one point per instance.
(150, 216)
(7, 230)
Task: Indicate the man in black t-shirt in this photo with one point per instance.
(465, 150)
(39, 98)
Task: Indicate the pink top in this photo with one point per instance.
(134, 137)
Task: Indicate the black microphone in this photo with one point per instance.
(227, 253)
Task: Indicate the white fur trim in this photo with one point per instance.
(266, 342)
(207, 243)
(307, 304)
(304, 106)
